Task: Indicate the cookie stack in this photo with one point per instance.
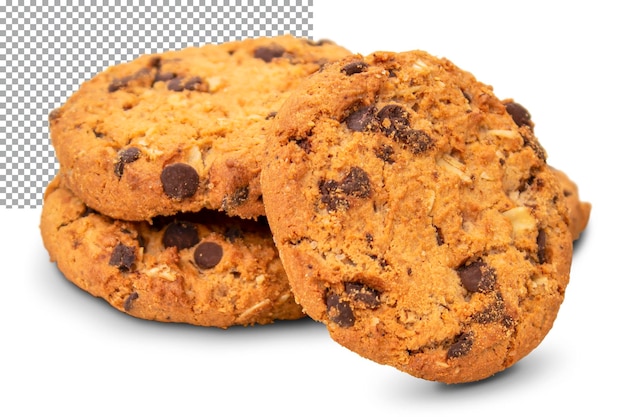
(392, 197)
(157, 205)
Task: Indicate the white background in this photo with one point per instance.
(67, 353)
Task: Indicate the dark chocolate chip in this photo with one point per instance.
(385, 152)
(208, 255)
(477, 277)
(531, 141)
(122, 82)
(491, 314)
(330, 195)
(356, 183)
(361, 119)
(362, 293)
(417, 141)
(339, 311)
(520, 115)
(118, 84)
(354, 67)
(439, 236)
(268, 53)
(123, 257)
(541, 246)
(232, 233)
(461, 346)
(392, 118)
(180, 234)
(270, 115)
(125, 156)
(239, 196)
(176, 84)
(192, 83)
(179, 180)
(128, 303)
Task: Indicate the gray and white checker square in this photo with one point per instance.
(47, 51)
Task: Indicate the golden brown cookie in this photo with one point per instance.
(416, 216)
(180, 130)
(204, 269)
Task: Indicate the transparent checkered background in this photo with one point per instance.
(47, 51)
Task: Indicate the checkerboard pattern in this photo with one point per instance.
(47, 51)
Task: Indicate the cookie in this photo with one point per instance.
(204, 268)
(180, 130)
(416, 216)
(578, 211)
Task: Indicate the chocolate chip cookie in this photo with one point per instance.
(205, 268)
(416, 215)
(180, 130)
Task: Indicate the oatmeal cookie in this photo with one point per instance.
(180, 130)
(416, 215)
(205, 269)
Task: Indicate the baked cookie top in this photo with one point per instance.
(180, 130)
(416, 216)
(204, 269)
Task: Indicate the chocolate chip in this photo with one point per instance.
(541, 246)
(531, 141)
(181, 235)
(356, 183)
(176, 84)
(362, 293)
(477, 277)
(122, 257)
(393, 121)
(520, 115)
(122, 82)
(439, 236)
(192, 83)
(267, 53)
(385, 152)
(232, 233)
(492, 313)
(118, 84)
(417, 141)
(392, 118)
(237, 198)
(270, 115)
(361, 119)
(208, 255)
(125, 156)
(179, 180)
(128, 303)
(461, 346)
(330, 196)
(339, 311)
(354, 67)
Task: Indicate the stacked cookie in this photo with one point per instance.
(157, 204)
(413, 212)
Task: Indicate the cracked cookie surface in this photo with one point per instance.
(416, 215)
(204, 268)
(180, 130)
